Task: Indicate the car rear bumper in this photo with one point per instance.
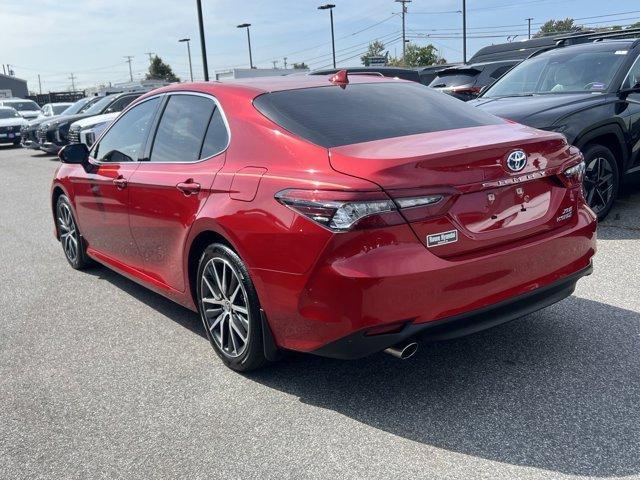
(386, 278)
(359, 344)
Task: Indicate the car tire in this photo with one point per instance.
(229, 309)
(73, 245)
(601, 180)
(16, 144)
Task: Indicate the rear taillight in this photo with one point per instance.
(573, 176)
(469, 90)
(342, 211)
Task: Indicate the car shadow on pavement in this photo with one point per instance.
(548, 391)
(179, 314)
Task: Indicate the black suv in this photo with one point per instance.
(54, 134)
(590, 93)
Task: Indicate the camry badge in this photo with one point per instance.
(516, 160)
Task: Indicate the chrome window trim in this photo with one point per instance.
(633, 65)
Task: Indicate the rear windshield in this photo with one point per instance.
(454, 79)
(331, 116)
(25, 106)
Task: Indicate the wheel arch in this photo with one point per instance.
(56, 192)
(610, 136)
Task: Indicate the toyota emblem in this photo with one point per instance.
(516, 160)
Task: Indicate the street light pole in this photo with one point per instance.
(330, 7)
(247, 25)
(187, 40)
(202, 43)
(464, 31)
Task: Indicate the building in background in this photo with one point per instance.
(11, 86)
(135, 86)
(234, 73)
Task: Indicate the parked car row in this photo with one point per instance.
(79, 122)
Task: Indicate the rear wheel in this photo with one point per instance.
(601, 180)
(72, 242)
(229, 308)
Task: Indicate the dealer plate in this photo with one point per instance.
(442, 238)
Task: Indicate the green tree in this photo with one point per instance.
(158, 70)
(300, 66)
(417, 56)
(558, 26)
(635, 25)
(376, 49)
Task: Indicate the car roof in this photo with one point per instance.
(252, 87)
(600, 46)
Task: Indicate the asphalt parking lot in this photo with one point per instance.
(100, 378)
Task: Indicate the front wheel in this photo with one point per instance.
(601, 180)
(72, 242)
(229, 309)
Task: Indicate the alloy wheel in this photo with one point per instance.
(68, 232)
(224, 306)
(599, 184)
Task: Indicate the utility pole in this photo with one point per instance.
(285, 63)
(187, 41)
(72, 77)
(404, 12)
(129, 57)
(202, 43)
(464, 31)
(151, 54)
(247, 25)
(330, 7)
(529, 21)
(39, 84)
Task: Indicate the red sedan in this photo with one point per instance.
(336, 216)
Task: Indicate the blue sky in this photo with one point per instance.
(90, 37)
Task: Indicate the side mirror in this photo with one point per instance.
(75, 153)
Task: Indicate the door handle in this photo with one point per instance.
(189, 187)
(120, 182)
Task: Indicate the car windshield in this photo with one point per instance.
(58, 109)
(8, 113)
(100, 105)
(331, 116)
(561, 71)
(25, 106)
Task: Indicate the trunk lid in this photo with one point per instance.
(485, 204)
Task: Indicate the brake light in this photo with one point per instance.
(342, 211)
(573, 176)
(471, 90)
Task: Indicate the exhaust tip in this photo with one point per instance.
(402, 350)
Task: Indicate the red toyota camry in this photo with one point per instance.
(336, 216)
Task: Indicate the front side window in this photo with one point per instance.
(560, 71)
(121, 103)
(182, 129)
(633, 77)
(126, 139)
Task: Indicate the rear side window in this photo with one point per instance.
(182, 128)
(217, 137)
(331, 116)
